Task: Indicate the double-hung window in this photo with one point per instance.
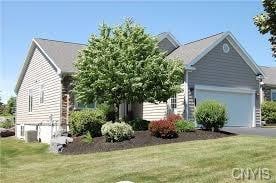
(30, 100)
(41, 98)
(173, 103)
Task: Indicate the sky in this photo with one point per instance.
(76, 21)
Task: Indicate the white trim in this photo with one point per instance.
(237, 46)
(224, 89)
(231, 90)
(28, 58)
(254, 110)
(171, 38)
(49, 58)
(30, 91)
(195, 60)
(248, 59)
(186, 95)
(272, 91)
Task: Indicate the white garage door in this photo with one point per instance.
(240, 105)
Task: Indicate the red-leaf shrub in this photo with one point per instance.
(162, 128)
(173, 118)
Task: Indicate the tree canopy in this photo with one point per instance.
(266, 22)
(124, 64)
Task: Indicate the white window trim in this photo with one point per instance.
(30, 111)
(174, 110)
(272, 91)
(40, 93)
(225, 48)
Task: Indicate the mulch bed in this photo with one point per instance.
(141, 139)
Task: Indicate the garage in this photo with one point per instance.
(240, 103)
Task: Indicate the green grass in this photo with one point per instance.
(195, 161)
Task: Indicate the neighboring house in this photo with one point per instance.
(216, 67)
(268, 90)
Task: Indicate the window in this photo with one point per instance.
(225, 48)
(41, 99)
(173, 102)
(273, 95)
(21, 130)
(30, 100)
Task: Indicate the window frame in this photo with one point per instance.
(30, 101)
(42, 94)
(173, 102)
(271, 94)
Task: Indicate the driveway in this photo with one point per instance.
(268, 132)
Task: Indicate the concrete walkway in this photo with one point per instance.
(268, 132)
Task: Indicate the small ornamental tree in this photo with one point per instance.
(124, 64)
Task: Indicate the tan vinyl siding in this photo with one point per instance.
(157, 111)
(39, 71)
(154, 111)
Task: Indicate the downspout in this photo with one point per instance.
(186, 94)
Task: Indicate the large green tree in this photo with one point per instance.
(10, 107)
(124, 64)
(266, 22)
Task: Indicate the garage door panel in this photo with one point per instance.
(239, 105)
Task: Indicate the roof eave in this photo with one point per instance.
(24, 67)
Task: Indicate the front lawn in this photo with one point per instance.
(194, 161)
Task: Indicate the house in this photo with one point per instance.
(216, 67)
(268, 89)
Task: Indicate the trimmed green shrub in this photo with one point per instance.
(117, 132)
(269, 111)
(184, 126)
(139, 124)
(7, 124)
(211, 115)
(88, 120)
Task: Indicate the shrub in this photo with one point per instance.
(89, 120)
(269, 111)
(211, 115)
(163, 128)
(116, 132)
(88, 138)
(139, 124)
(173, 118)
(7, 124)
(108, 111)
(184, 126)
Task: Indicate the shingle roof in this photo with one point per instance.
(62, 53)
(190, 51)
(270, 75)
(65, 53)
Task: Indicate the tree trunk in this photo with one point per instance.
(116, 110)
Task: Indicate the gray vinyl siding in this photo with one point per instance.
(39, 71)
(217, 68)
(166, 45)
(223, 69)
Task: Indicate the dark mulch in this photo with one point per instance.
(141, 139)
